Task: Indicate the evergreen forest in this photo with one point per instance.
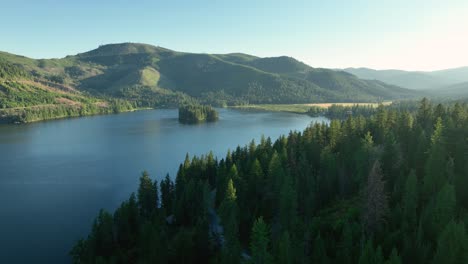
(386, 187)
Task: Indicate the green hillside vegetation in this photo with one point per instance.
(353, 88)
(280, 65)
(150, 76)
(10, 70)
(388, 186)
(193, 113)
(29, 96)
(202, 76)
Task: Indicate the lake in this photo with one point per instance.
(56, 175)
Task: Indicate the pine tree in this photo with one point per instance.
(288, 206)
(228, 213)
(167, 194)
(147, 195)
(424, 115)
(152, 248)
(319, 253)
(126, 222)
(334, 133)
(362, 158)
(369, 255)
(379, 258)
(256, 187)
(435, 170)
(376, 201)
(346, 245)
(181, 246)
(187, 161)
(180, 182)
(276, 173)
(394, 258)
(274, 182)
(422, 245)
(410, 220)
(410, 203)
(259, 243)
(440, 210)
(285, 254)
(439, 111)
(452, 246)
(381, 121)
(102, 235)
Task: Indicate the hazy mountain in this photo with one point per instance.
(154, 76)
(417, 80)
(457, 74)
(455, 91)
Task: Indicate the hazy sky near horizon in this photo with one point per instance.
(397, 34)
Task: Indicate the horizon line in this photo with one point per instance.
(240, 52)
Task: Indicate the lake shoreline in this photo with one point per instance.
(285, 108)
(5, 121)
(302, 108)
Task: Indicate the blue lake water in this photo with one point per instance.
(56, 175)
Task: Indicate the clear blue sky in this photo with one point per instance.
(411, 34)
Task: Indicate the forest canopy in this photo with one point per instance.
(387, 188)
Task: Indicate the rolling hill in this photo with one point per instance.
(149, 76)
(217, 78)
(457, 74)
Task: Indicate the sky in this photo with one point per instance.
(396, 34)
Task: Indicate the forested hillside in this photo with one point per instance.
(224, 79)
(388, 188)
(27, 97)
(150, 76)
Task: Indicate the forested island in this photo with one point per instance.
(195, 113)
(388, 187)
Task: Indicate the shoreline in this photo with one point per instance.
(286, 108)
(302, 108)
(6, 122)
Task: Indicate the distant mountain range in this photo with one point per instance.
(448, 82)
(153, 76)
(452, 91)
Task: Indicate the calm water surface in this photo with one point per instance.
(56, 175)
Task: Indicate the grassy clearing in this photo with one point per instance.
(326, 105)
(300, 108)
(293, 108)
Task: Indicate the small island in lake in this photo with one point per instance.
(190, 114)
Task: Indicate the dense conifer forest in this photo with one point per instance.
(195, 113)
(386, 187)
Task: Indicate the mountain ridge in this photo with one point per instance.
(153, 76)
(418, 80)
